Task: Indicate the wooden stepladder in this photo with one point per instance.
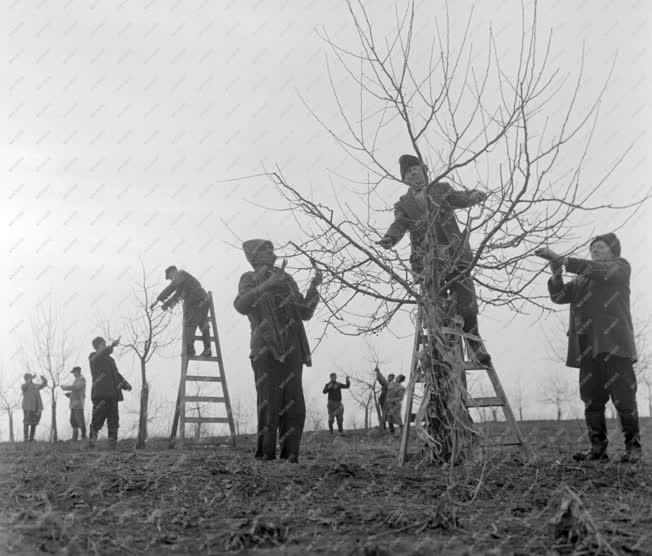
(216, 362)
(499, 400)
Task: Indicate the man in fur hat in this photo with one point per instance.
(279, 347)
(600, 339)
(195, 307)
(453, 252)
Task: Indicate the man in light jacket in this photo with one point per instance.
(77, 397)
(600, 340)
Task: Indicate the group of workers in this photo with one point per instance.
(601, 338)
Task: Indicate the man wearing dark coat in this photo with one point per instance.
(279, 347)
(106, 391)
(453, 252)
(600, 340)
(195, 307)
(382, 400)
(334, 404)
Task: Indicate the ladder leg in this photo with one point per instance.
(220, 362)
(507, 411)
(409, 402)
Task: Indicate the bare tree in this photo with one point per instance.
(241, 416)
(49, 355)
(558, 392)
(9, 401)
(519, 398)
(471, 123)
(145, 333)
(365, 392)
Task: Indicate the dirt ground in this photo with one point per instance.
(347, 496)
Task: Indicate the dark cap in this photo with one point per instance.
(407, 161)
(169, 270)
(76, 370)
(611, 240)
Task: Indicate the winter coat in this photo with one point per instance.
(32, 396)
(108, 383)
(334, 391)
(599, 308)
(410, 213)
(276, 315)
(77, 392)
(184, 286)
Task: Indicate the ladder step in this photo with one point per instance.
(197, 378)
(484, 402)
(217, 399)
(201, 338)
(500, 444)
(206, 420)
(198, 358)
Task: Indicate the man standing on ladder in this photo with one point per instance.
(195, 307)
(279, 347)
(453, 252)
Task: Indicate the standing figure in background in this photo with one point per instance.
(32, 405)
(600, 340)
(395, 393)
(438, 200)
(106, 391)
(279, 347)
(334, 404)
(77, 396)
(382, 401)
(195, 307)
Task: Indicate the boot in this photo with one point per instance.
(75, 434)
(26, 431)
(83, 432)
(92, 437)
(391, 428)
(629, 424)
(596, 425)
(32, 432)
(190, 350)
(330, 427)
(113, 439)
(206, 339)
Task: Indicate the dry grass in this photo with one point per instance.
(346, 497)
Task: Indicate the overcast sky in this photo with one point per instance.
(124, 117)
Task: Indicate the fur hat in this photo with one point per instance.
(407, 161)
(169, 270)
(611, 240)
(75, 370)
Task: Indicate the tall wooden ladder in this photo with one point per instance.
(180, 417)
(499, 400)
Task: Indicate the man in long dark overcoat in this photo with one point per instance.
(279, 347)
(600, 339)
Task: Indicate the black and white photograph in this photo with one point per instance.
(348, 277)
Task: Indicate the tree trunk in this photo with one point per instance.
(520, 413)
(448, 434)
(54, 437)
(11, 425)
(144, 399)
(379, 411)
(559, 413)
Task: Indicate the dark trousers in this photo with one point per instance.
(603, 377)
(105, 410)
(77, 422)
(335, 412)
(196, 316)
(281, 406)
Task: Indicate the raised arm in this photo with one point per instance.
(561, 293)
(383, 381)
(107, 350)
(248, 294)
(458, 199)
(307, 304)
(615, 271)
(397, 230)
(347, 384)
